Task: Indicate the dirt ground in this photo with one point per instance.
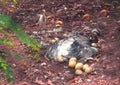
(77, 16)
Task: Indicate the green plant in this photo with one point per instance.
(4, 41)
(3, 65)
(5, 1)
(8, 72)
(6, 23)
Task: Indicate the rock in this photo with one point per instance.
(75, 45)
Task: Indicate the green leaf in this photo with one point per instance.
(8, 23)
(15, 2)
(5, 32)
(7, 42)
(4, 1)
(2, 59)
(8, 72)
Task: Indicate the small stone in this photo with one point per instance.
(14, 65)
(43, 64)
(35, 32)
(53, 40)
(45, 76)
(65, 35)
(56, 38)
(62, 78)
(89, 80)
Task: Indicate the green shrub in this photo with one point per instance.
(8, 72)
(6, 23)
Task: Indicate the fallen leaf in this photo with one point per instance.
(58, 23)
(11, 10)
(49, 82)
(86, 16)
(40, 82)
(24, 83)
(104, 12)
(23, 63)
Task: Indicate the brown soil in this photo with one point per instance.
(106, 64)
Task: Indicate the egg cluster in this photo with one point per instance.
(79, 67)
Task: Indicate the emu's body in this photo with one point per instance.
(73, 46)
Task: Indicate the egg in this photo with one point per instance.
(78, 72)
(88, 70)
(94, 44)
(72, 62)
(73, 59)
(79, 66)
(60, 59)
(85, 66)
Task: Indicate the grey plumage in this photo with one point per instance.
(75, 45)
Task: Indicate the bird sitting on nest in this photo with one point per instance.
(75, 45)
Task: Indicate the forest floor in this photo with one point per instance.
(72, 16)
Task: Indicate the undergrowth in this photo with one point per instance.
(6, 23)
